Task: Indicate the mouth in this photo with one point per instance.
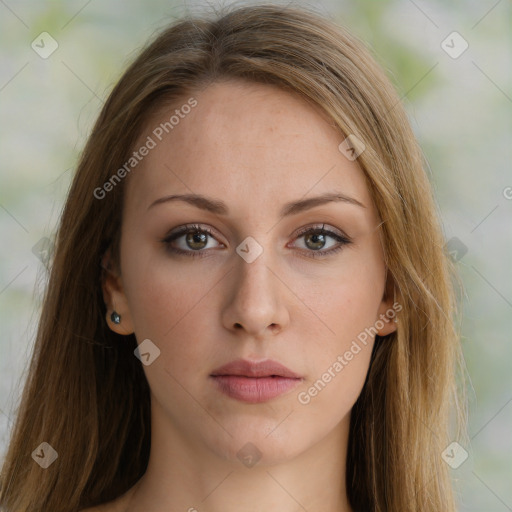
(254, 382)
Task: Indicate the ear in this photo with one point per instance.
(388, 311)
(114, 297)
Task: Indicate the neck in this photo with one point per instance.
(184, 475)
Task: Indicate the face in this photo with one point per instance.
(258, 270)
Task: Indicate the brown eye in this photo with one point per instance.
(315, 239)
(196, 240)
(189, 240)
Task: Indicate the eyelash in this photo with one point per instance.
(343, 240)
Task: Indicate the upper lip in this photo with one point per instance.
(245, 368)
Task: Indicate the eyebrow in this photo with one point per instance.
(292, 208)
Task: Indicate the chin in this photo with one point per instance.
(260, 441)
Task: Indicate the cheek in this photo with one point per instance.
(339, 361)
(350, 305)
(170, 305)
(161, 292)
(326, 400)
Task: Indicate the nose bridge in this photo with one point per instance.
(254, 280)
(255, 303)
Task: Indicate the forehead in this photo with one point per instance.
(249, 144)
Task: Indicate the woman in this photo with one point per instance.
(249, 304)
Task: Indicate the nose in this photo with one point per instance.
(257, 302)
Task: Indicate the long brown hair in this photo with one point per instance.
(86, 394)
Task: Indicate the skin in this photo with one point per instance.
(256, 148)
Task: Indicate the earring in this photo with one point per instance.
(115, 317)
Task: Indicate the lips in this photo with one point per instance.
(245, 368)
(254, 382)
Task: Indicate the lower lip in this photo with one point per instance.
(254, 389)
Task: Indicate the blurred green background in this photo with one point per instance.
(460, 107)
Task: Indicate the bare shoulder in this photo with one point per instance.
(118, 505)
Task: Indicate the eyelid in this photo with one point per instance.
(321, 227)
(185, 228)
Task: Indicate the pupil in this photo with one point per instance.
(196, 237)
(318, 240)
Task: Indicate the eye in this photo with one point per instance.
(315, 239)
(195, 240)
